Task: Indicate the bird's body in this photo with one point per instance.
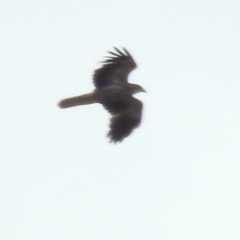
(115, 93)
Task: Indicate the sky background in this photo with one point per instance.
(177, 177)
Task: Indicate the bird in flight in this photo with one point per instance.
(115, 93)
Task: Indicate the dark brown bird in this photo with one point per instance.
(115, 93)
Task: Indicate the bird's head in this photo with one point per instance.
(136, 88)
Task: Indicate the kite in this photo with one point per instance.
(115, 93)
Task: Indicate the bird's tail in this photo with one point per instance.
(79, 100)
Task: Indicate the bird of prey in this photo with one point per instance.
(115, 93)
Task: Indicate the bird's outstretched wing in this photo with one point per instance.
(125, 121)
(115, 69)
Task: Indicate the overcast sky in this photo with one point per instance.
(177, 177)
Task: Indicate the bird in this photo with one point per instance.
(115, 93)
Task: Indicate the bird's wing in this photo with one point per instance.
(116, 68)
(125, 121)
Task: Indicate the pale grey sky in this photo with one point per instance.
(177, 177)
